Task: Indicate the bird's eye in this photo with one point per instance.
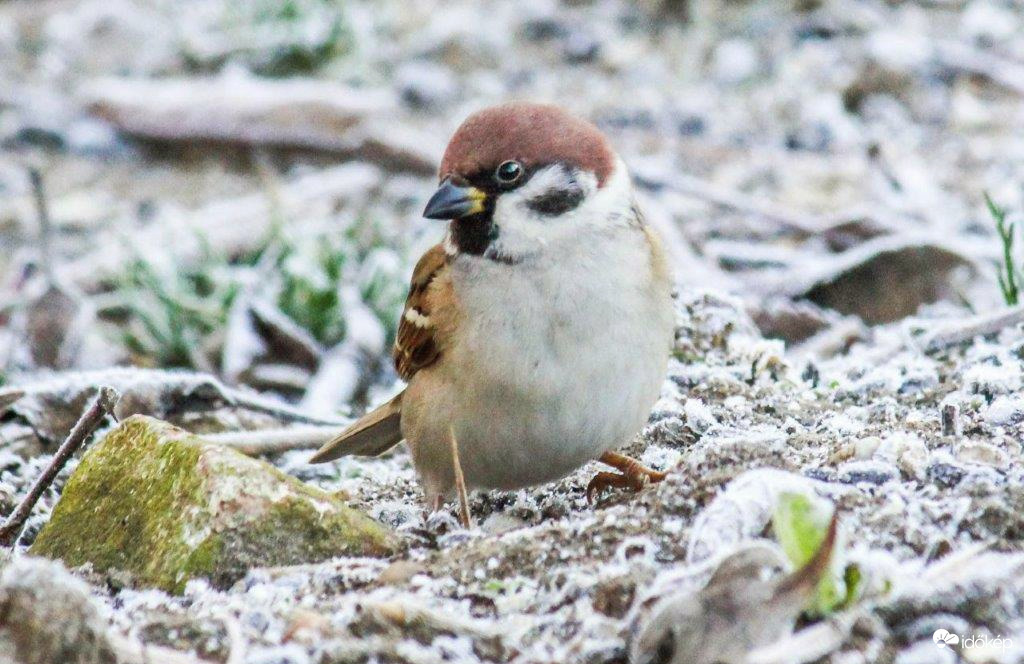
(508, 172)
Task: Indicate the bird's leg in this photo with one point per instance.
(632, 475)
(460, 482)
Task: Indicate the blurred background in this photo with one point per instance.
(235, 187)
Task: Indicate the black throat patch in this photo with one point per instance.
(473, 234)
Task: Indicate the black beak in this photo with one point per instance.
(451, 201)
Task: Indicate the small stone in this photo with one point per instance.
(913, 458)
(49, 617)
(699, 417)
(581, 48)
(613, 597)
(425, 85)
(501, 522)
(951, 425)
(93, 137)
(865, 448)
(992, 379)
(399, 572)
(986, 22)
(945, 474)
(870, 472)
(982, 453)
(925, 652)
(289, 653)
(165, 506)
(1005, 410)
(734, 61)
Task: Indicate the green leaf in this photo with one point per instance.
(800, 528)
(854, 579)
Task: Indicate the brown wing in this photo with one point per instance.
(416, 346)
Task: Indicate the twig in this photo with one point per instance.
(87, 423)
(274, 441)
(45, 226)
(460, 482)
(282, 412)
(979, 326)
(963, 57)
(791, 220)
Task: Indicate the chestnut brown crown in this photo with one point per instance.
(532, 134)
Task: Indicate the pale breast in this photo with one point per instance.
(567, 359)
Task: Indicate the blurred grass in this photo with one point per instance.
(273, 38)
(1008, 275)
(173, 312)
(175, 317)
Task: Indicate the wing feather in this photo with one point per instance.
(416, 344)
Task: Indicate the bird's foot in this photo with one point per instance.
(632, 475)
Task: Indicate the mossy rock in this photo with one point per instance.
(165, 506)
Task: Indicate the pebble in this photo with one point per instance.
(926, 652)
(581, 48)
(982, 453)
(698, 416)
(501, 522)
(870, 472)
(425, 85)
(734, 61)
(865, 448)
(291, 653)
(988, 22)
(1004, 410)
(945, 474)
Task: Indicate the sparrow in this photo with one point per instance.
(536, 336)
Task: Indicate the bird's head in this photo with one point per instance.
(519, 177)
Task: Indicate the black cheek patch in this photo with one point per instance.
(556, 201)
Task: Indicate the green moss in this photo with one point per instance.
(202, 562)
(104, 508)
(166, 507)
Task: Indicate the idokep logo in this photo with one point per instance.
(944, 639)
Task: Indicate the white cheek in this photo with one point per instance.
(521, 227)
(523, 230)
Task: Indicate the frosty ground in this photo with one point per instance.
(817, 170)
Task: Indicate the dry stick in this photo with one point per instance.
(45, 226)
(735, 200)
(87, 423)
(274, 441)
(978, 326)
(460, 482)
(961, 56)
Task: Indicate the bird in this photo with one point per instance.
(536, 336)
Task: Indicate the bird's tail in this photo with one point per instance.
(370, 435)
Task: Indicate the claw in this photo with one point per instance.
(634, 476)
